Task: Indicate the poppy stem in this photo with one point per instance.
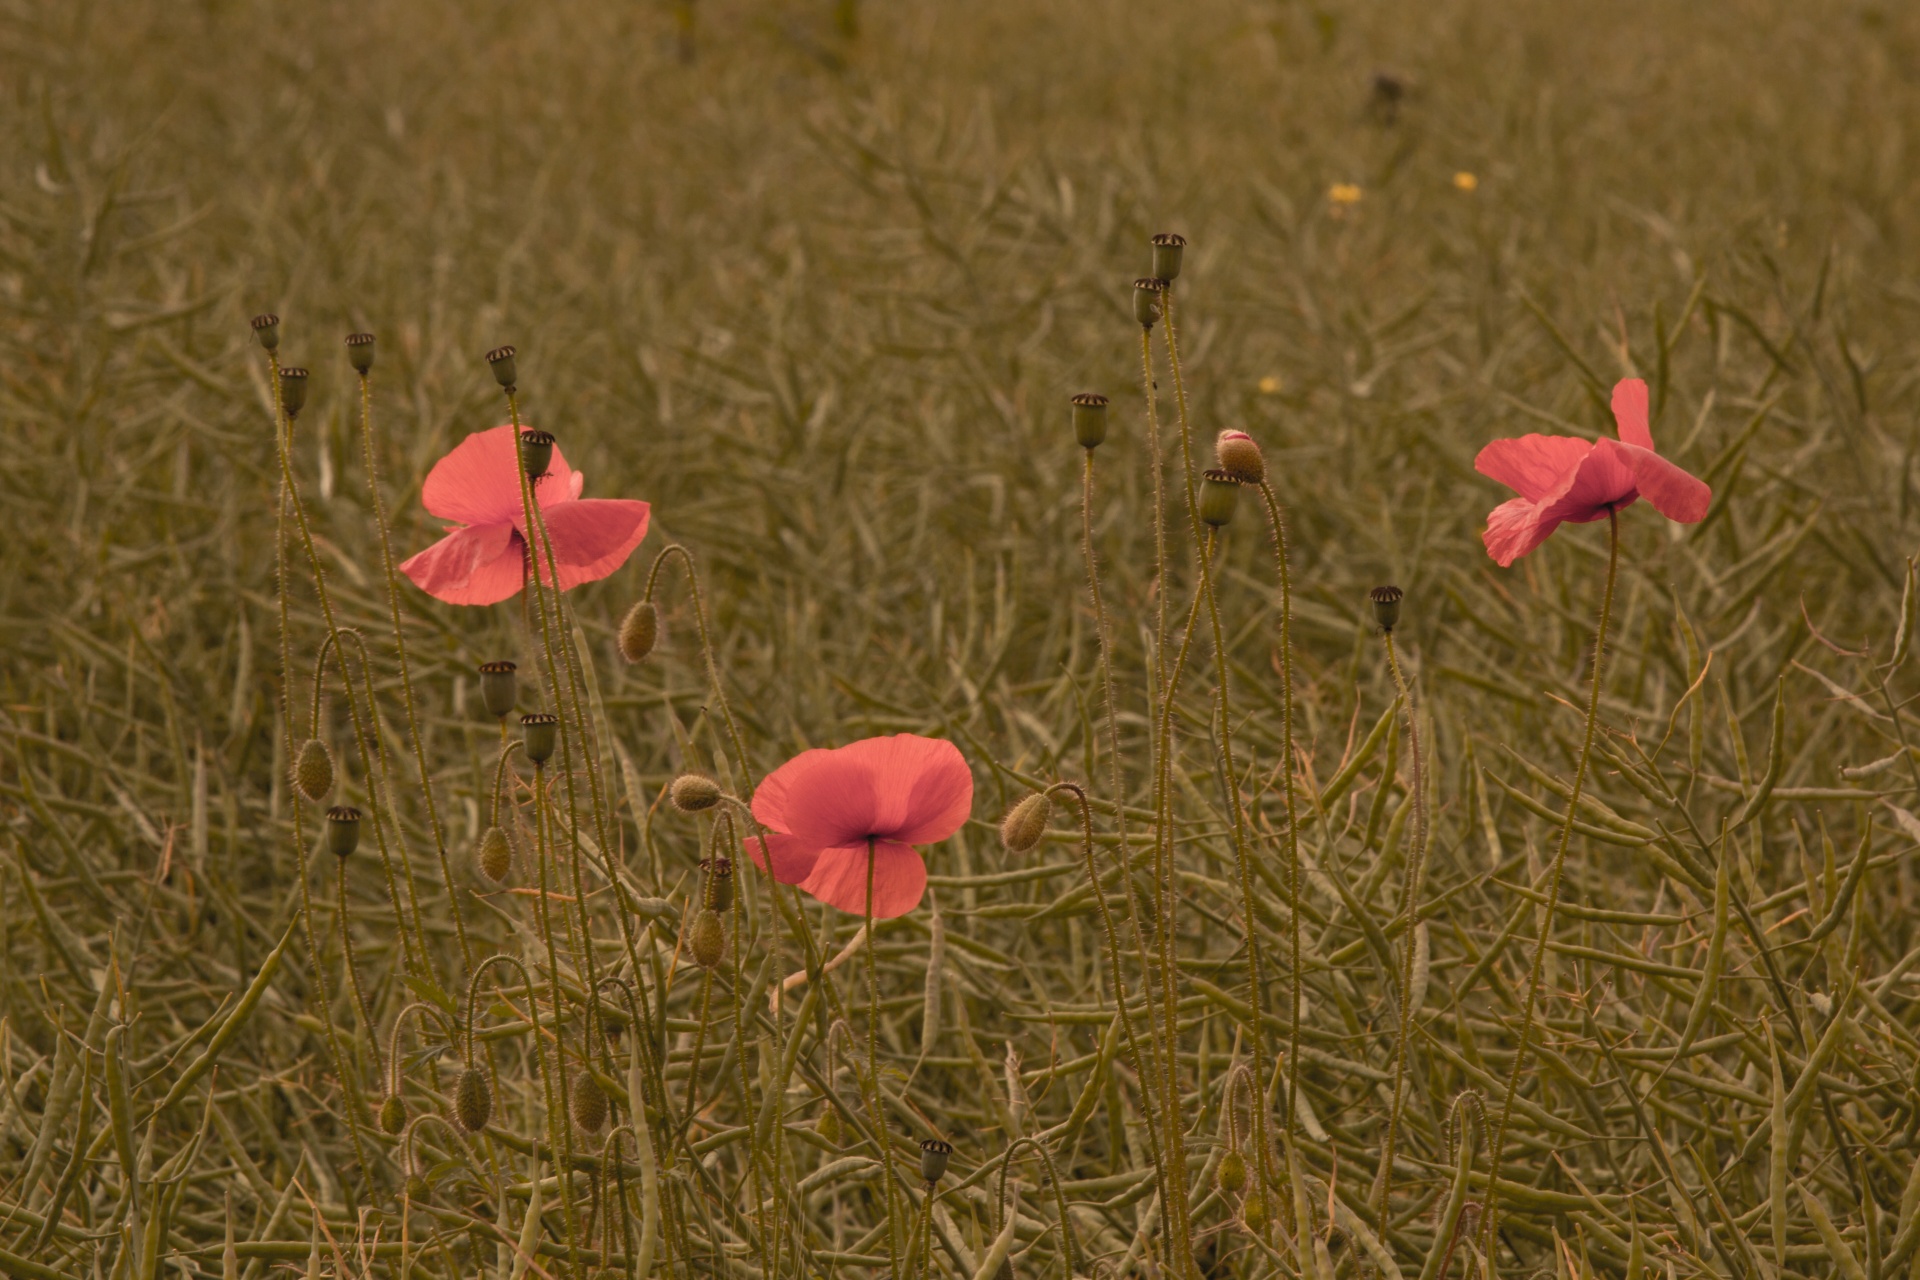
(879, 1119)
(1491, 1218)
(353, 972)
(1410, 912)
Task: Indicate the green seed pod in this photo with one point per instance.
(360, 352)
(707, 939)
(828, 1125)
(499, 688)
(343, 830)
(1168, 247)
(1253, 1212)
(1232, 1174)
(1026, 822)
(536, 452)
(266, 330)
(588, 1103)
(694, 792)
(393, 1114)
(496, 855)
(540, 734)
(419, 1190)
(293, 390)
(473, 1100)
(1386, 606)
(1146, 300)
(1219, 494)
(716, 876)
(639, 631)
(1240, 457)
(934, 1155)
(1090, 419)
(500, 359)
(313, 770)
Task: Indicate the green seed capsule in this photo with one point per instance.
(393, 1114)
(473, 1100)
(266, 330)
(293, 390)
(536, 452)
(500, 359)
(1168, 247)
(343, 830)
(1090, 419)
(1026, 823)
(360, 352)
(707, 939)
(496, 855)
(499, 687)
(540, 734)
(1386, 606)
(934, 1155)
(716, 876)
(313, 770)
(1219, 494)
(1146, 300)
(639, 631)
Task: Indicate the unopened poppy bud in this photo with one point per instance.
(293, 391)
(1232, 1173)
(496, 855)
(473, 1100)
(360, 352)
(707, 939)
(266, 330)
(1090, 419)
(499, 687)
(1239, 456)
(393, 1114)
(1026, 822)
(1386, 606)
(1219, 494)
(934, 1154)
(313, 770)
(694, 792)
(828, 1126)
(1146, 300)
(500, 359)
(539, 733)
(419, 1190)
(639, 631)
(1167, 249)
(716, 876)
(343, 830)
(1253, 1212)
(536, 451)
(588, 1102)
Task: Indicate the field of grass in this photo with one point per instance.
(816, 279)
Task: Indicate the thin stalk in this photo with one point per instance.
(560, 1131)
(873, 1075)
(353, 972)
(1410, 912)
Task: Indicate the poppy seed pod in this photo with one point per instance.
(473, 1100)
(934, 1155)
(313, 770)
(716, 875)
(1025, 823)
(1146, 300)
(536, 451)
(588, 1102)
(639, 631)
(539, 733)
(1386, 606)
(1239, 456)
(694, 793)
(496, 855)
(343, 830)
(1232, 1173)
(293, 390)
(500, 360)
(1090, 419)
(707, 939)
(360, 352)
(1219, 494)
(393, 1114)
(266, 330)
(499, 688)
(1167, 249)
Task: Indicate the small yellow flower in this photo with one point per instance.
(1270, 385)
(1465, 181)
(1344, 193)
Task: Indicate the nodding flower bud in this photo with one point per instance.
(473, 1099)
(360, 352)
(639, 631)
(1253, 1212)
(588, 1102)
(1146, 300)
(266, 330)
(828, 1125)
(419, 1190)
(1239, 456)
(1090, 419)
(1026, 822)
(694, 792)
(536, 451)
(539, 733)
(934, 1154)
(343, 830)
(500, 359)
(707, 938)
(293, 391)
(1386, 606)
(393, 1114)
(499, 688)
(1219, 493)
(1232, 1173)
(496, 855)
(1167, 249)
(717, 882)
(313, 770)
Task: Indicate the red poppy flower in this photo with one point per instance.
(483, 559)
(1563, 479)
(823, 807)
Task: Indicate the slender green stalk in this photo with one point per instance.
(557, 1123)
(1410, 912)
(873, 1075)
(371, 1028)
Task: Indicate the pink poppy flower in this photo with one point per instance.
(823, 807)
(1563, 479)
(483, 559)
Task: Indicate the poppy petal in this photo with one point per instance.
(792, 860)
(1514, 528)
(478, 482)
(1603, 482)
(1674, 492)
(839, 879)
(592, 538)
(922, 787)
(1630, 412)
(774, 797)
(480, 564)
(832, 798)
(1533, 466)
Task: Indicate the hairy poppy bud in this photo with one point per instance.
(496, 855)
(828, 1125)
(717, 880)
(360, 352)
(588, 1102)
(934, 1155)
(499, 687)
(1146, 300)
(540, 733)
(707, 939)
(1219, 493)
(536, 451)
(266, 330)
(419, 1190)
(1167, 249)
(473, 1099)
(1253, 1212)
(293, 391)
(639, 631)
(343, 830)
(313, 770)
(1026, 822)
(1090, 419)
(1239, 456)
(1232, 1173)
(694, 792)
(500, 359)
(393, 1114)
(1386, 606)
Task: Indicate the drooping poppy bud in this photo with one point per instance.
(694, 793)
(1219, 494)
(393, 1114)
(707, 939)
(1146, 300)
(473, 1099)
(540, 733)
(293, 390)
(1386, 606)
(419, 1190)
(343, 830)
(716, 876)
(828, 1125)
(1168, 247)
(500, 360)
(360, 352)
(1253, 1212)
(313, 770)
(639, 631)
(499, 687)
(1026, 823)
(536, 451)
(496, 855)
(1232, 1173)
(1239, 456)
(588, 1102)
(934, 1154)
(266, 330)
(1090, 419)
